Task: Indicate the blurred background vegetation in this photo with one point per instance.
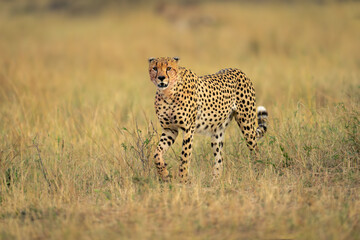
(96, 6)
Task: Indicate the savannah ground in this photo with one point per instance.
(78, 128)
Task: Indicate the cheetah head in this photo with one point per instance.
(163, 71)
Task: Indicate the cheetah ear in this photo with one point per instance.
(176, 59)
(151, 59)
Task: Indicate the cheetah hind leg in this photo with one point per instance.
(248, 129)
(252, 131)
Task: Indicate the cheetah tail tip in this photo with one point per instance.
(262, 116)
(261, 109)
(262, 112)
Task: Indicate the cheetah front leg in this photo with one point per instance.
(217, 143)
(167, 139)
(186, 154)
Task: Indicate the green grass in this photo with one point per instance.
(78, 127)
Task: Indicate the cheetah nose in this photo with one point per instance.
(161, 78)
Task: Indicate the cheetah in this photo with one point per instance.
(202, 104)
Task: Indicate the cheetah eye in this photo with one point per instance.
(155, 68)
(168, 68)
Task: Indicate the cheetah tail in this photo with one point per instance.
(262, 116)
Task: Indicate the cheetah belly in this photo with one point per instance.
(209, 124)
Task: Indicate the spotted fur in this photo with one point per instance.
(204, 105)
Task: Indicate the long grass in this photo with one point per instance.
(78, 128)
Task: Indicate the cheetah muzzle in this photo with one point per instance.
(162, 85)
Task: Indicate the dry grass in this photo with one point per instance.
(78, 126)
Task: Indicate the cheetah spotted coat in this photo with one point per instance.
(203, 105)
